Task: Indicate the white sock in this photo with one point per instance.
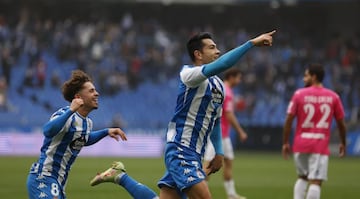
(230, 187)
(313, 192)
(300, 188)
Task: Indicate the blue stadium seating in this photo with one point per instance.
(150, 106)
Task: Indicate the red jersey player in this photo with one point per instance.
(314, 107)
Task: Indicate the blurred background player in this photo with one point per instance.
(197, 116)
(68, 130)
(314, 107)
(232, 78)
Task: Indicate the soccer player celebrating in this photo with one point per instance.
(197, 116)
(68, 130)
(314, 107)
(232, 78)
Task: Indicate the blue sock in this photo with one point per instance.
(136, 189)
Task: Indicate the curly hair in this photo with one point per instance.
(74, 84)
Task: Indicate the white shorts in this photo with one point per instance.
(227, 147)
(314, 166)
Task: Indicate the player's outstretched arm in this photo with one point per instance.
(230, 58)
(116, 133)
(264, 39)
(96, 136)
(286, 136)
(342, 134)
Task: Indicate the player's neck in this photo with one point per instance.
(319, 85)
(83, 112)
(198, 63)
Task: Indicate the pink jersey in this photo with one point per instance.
(314, 108)
(228, 106)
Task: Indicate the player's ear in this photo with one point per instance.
(77, 95)
(198, 54)
(313, 78)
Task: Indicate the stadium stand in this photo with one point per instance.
(134, 60)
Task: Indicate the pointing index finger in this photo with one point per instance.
(272, 32)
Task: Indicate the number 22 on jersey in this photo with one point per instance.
(310, 110)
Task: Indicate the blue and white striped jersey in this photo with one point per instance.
(62, 143)
(199, 105)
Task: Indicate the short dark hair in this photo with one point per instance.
(74, 84)
(232, 72)
(317, 70)
(195, 43)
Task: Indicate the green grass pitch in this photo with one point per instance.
(257, 176)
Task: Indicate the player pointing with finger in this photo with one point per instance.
(314, 107)
(197, 117)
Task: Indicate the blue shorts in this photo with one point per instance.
(184, 168)
(43, 187)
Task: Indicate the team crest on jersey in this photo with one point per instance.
(78, 143)
(216, 92)
(217, 96)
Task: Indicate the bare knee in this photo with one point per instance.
(316, 182)
(199, 195)
(167, 192)
(312, 181)
(303, 177)
(227, 169)
(198, 191)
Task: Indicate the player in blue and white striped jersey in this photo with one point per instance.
(68, 130)
(197, 117)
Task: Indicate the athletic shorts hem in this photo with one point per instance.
(191, 184)
(162, 184)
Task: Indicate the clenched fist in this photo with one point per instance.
(76, 103)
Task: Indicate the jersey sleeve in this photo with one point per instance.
(57, 122)
(216, 138)
(292, 107)
(59, 113)
(227, 60)
(192, 76)
(96, 136)
(339, 112)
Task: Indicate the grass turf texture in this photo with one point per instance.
(257, 176)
